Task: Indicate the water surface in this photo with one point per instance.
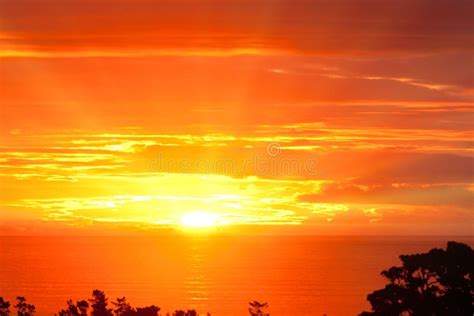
(296, 275)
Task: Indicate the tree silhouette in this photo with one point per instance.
(440, 282)
(123, 308)
(82, 306)
(99, 304)
(99, 307)
(70, 311)
(80, 309)
(147, 311)
(4, 307)
(23, 308)
(189, 312)
(258, 309)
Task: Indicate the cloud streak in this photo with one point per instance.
(240, 26)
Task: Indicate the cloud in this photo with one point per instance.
(132, 27)
(382, 220)
(153, 93)
(354, 192)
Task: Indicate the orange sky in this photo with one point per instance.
(311, 117)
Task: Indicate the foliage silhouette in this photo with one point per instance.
(80, 309)
(70, 311)
(4, 307)
(258, 309)
(440, 282)
(99, 307)
(23, 308)
(99, 304)
(82, 306)
(147, 311)
(123, 308)
(189, 312)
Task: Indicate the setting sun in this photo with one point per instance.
(199, 219)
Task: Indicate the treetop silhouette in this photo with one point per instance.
(258, 309)
(439, 282)
(23, 308)
(4, 307)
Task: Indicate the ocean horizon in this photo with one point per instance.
(219, 274)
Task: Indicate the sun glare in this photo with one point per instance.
(198, 219)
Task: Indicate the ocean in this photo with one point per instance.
(296, 275)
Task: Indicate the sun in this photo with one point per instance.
(198, 219)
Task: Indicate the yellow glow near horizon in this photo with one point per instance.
(198, 219)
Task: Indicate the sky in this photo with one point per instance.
(273, 116)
